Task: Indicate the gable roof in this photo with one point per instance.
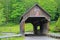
(39, 7)
(33, 7)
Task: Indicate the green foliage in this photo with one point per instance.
(19, 7)
(52, 26)
(2, 18)
(58, 24)
(55, 27)
(18, 10)
(11, 10)
(49, 6)
(57, 10)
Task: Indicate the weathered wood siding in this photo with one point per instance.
(36, 12)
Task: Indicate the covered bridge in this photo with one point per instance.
(37, 17)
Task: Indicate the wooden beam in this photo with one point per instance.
(22, 27)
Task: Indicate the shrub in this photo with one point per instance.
(57, 28)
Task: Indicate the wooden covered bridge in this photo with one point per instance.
(37, 17)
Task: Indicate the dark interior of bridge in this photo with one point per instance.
(37, 21)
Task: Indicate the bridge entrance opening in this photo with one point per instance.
(39, 24)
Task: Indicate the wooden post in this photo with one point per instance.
(35, 29)
(22, 27)
(45, 28)
(41, 28)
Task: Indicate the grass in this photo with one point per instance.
(10, 28)
(13, 38)
(1, 34)
(28, 27)
(15, 28)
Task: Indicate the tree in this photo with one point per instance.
(19, 7)
(13, 9)
(2, 18)
(57, 9)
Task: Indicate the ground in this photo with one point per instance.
(39, 38)
(12, 28)
(15, 28)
